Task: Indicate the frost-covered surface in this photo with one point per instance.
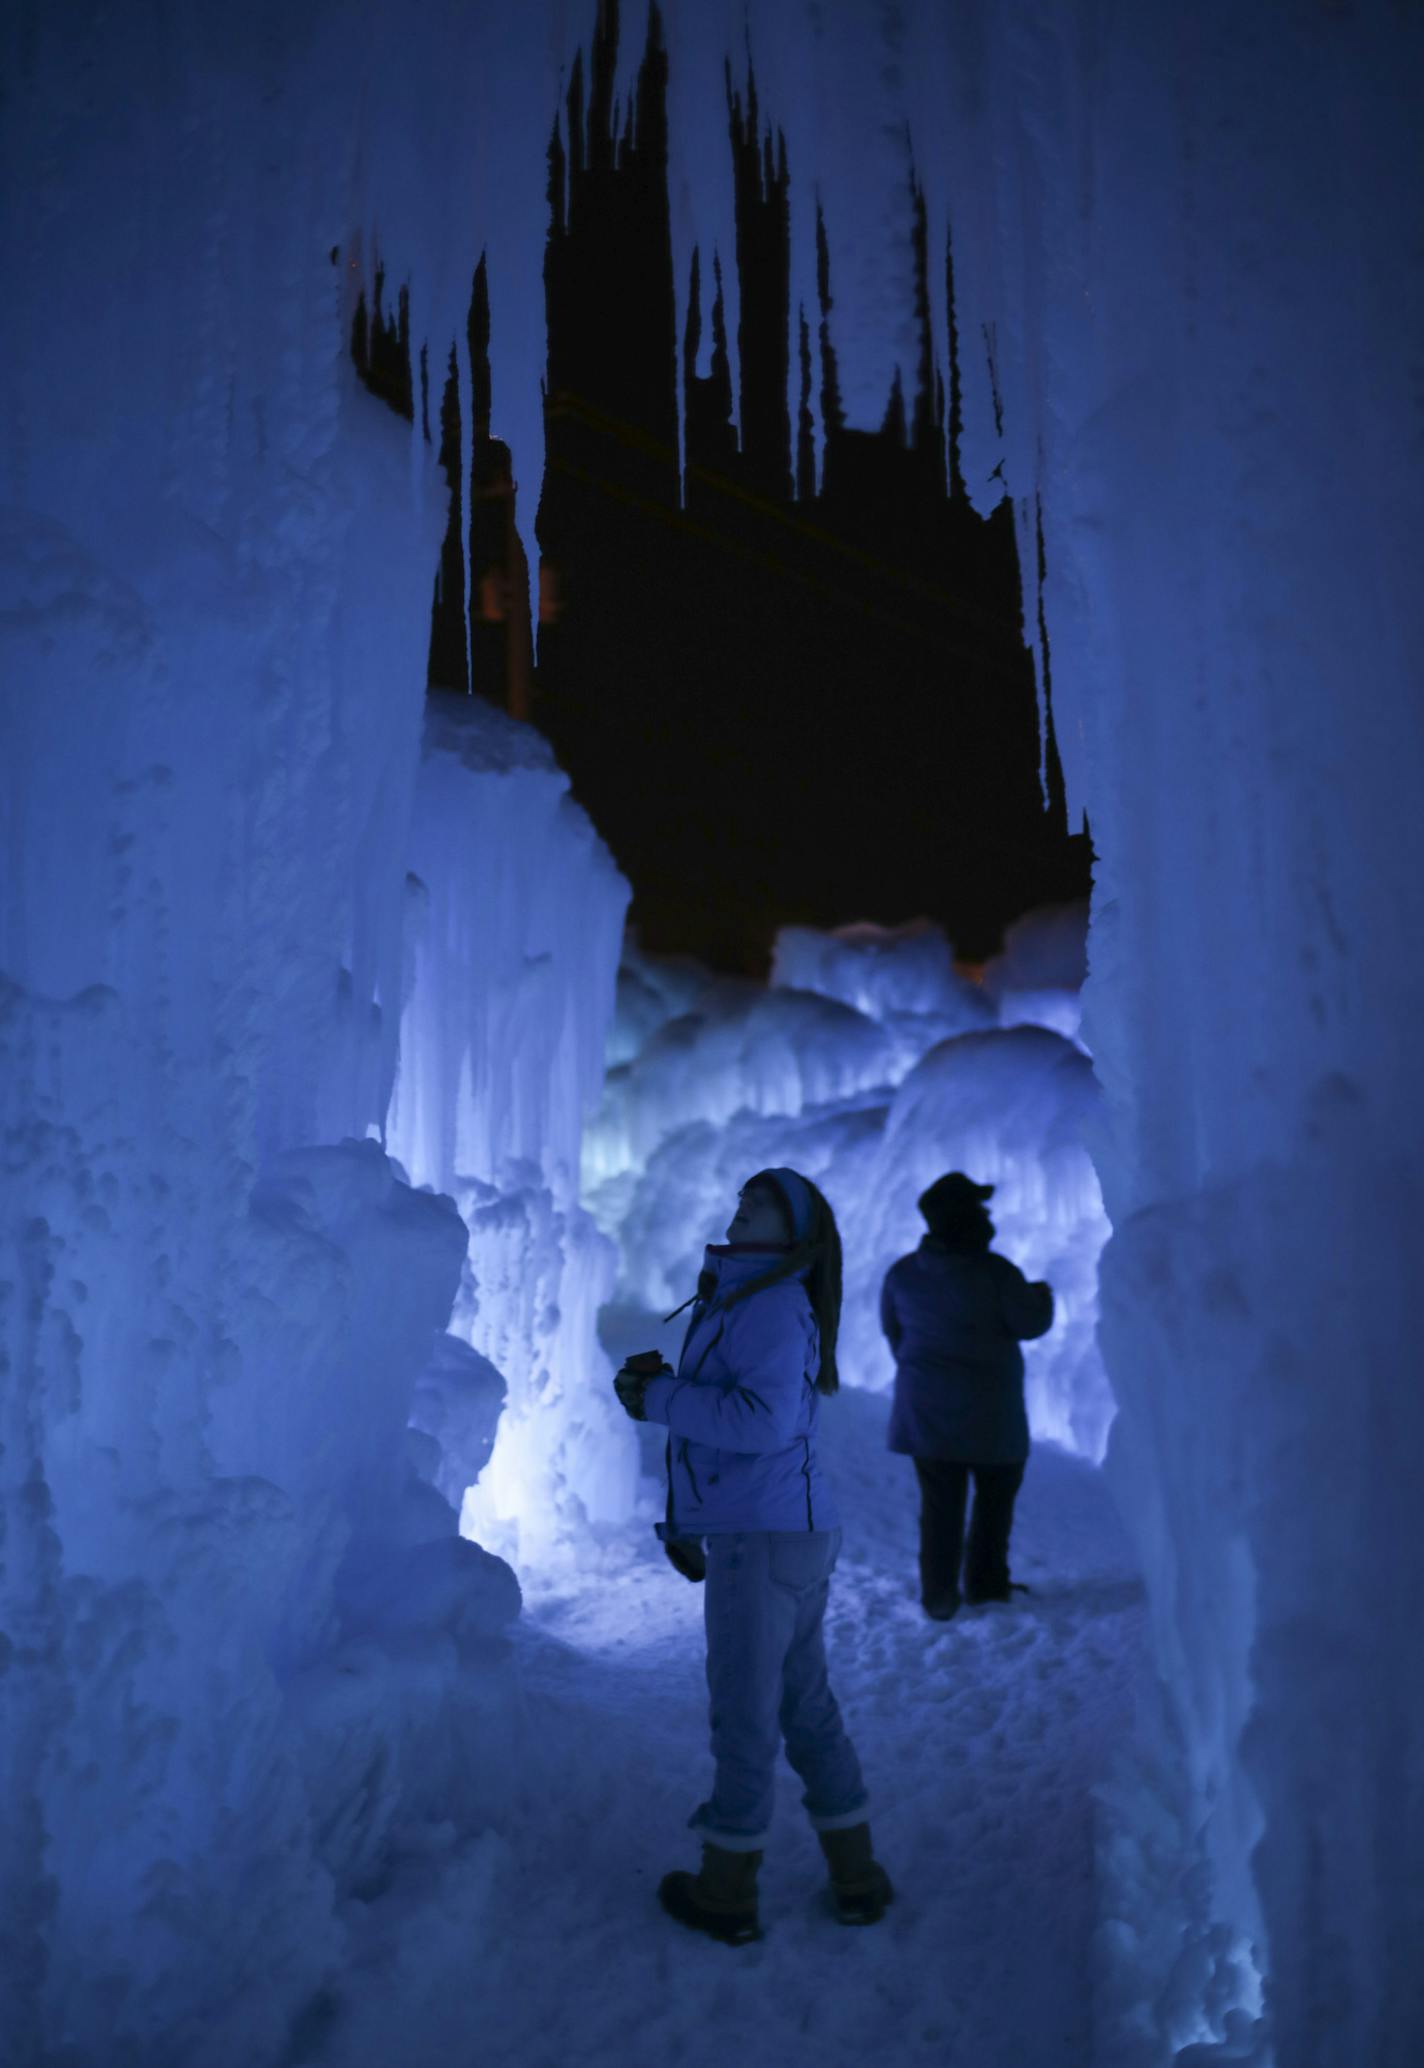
(249, 1664)
(510, 966)
(208, 1694)
(865, 1091)
(1037, 977)
(1209, 353)
(903, 976)
(516, 917)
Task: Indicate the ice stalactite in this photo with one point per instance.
(701, 197)
(701, 200)
(514, 83)
(777, 62)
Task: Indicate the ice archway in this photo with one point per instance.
(1183, 237)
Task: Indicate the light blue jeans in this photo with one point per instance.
(766, 1674)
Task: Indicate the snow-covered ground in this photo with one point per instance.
(982, 1740)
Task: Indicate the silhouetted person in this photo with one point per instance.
(954, 1313)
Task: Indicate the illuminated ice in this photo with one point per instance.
(1037, 977)
(1188, 307)
(517, 914)
(903, 976)
(740, 1049)
(872, 1122)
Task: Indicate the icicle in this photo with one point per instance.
(780, 59)
(465, 396)
(630, 26)
(516, 98)
(1026, 538)
(839, 70)
(699, 166)
(701, 37)
(927, 80)
(736, 80)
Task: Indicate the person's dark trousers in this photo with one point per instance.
(944, 1493)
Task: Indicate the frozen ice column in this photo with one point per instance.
(516, 922)
(1211, 344)
(215, 1299)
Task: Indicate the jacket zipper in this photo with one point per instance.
(692, 1476)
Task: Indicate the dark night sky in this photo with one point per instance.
(777, 704)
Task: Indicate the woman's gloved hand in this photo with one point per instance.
(688, 1554)
(631, 1383)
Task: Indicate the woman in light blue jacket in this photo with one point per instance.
(743, 1479)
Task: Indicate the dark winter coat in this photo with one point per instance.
(742, 1408)
(954, 1318)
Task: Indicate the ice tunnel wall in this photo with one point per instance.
(1185, 240)
(1217, 286)
(514, 923)
(246, 1654)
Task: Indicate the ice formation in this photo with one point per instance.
(251, 1668)
(1037, 977)
(904, 976)
(515, 917)
(885, 1070)
(1181, 238)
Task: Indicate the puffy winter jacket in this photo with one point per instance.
(954, 1319)
(741, 1411)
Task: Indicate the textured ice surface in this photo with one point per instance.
(1037, 977)
(872, 1101)
(1188, 306)
(516, 916)
(217, 1376)
(903, 976)
(249, 1661)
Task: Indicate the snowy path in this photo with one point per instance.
(981, 1740)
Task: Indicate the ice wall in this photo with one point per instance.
(1208, 342)
(248, 1663)
(516, 917)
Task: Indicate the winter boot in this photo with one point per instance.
(860, 1887)
(720, 1899)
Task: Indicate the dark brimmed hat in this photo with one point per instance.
(952, 1198)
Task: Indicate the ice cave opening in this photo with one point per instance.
(350, 1140)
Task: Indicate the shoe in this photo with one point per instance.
(1005, 1593)
(720, 1899)
(941, 1609)
(860, 1887)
